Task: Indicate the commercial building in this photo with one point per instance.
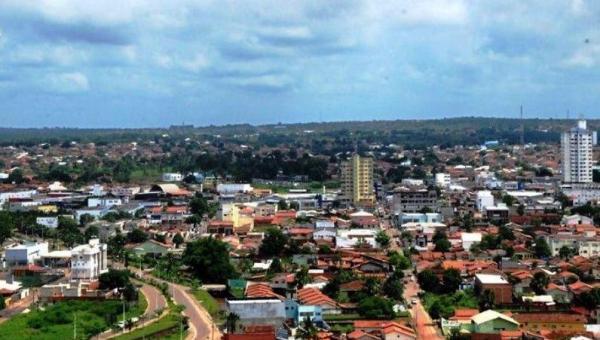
(24, 254)
(414, 200)
(172, 177)
(357, 181)
(576, 148)
(484, 199)
(495, 283)
(88, 261)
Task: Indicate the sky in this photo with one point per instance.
(153, 63)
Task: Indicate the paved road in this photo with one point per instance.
(156, 301)
(17, 307)
(202, 326)
(423, 323)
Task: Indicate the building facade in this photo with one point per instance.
(576, 149)
(88, 261)
(357, 180)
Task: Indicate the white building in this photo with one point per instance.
(104, 202)
(23, 254)
(48, 221)
(468, 239)
(172, 177)
(576, 148)
(442, 180)
(484, 200)
(350, 237)
(232, 188)
(88, 261)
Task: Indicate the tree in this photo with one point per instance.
(275, 266)
(442, 245)
(16, 176)
(85, 219)
(590, 300)
(393, 287)
(178, 240)
(521, 210)
(2, 303)
(307, 330)
(208, 259)
(116, 245)
(302, 277)
(137, 235)
(130, 294)
(114, 279)
(273, 243)
(428, 281)
(399, 261)
(539, 283)
(435, 310)
(486, 300)
(376, 307)
(508, 200)
(231, 322)
(91, 232)
(541, 248)
(505, 233)
(566, 252)
(199, 205)
(451, 280)
(382, 239)
(371, 287)
(282, 205)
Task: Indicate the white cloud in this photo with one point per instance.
(71, 82)
(198, 62)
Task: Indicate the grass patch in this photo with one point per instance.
(446, 304)
(155, 330)
(210, 304)
(341, 317)
(57, 321)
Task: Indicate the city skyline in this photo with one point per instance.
(154, 64)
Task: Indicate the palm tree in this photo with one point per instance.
(308, 330)
(231, 321)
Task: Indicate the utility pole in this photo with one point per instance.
(123, 314)
(75, 326)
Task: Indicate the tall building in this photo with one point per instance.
(576, 147)
(357, 180)
(88, 261)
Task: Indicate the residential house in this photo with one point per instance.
(497, 284)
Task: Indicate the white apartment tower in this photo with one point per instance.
(576, 148)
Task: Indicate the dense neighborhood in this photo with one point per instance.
(172, 237)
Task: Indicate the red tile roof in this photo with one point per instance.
(313, 296)
(261, 290)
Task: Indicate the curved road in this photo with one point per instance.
(201, 324)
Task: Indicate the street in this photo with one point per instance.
(423, 323)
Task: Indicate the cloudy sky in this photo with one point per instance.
(140, 63)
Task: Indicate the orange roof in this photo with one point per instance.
(261, 290)
(464, 314)
(579, 287)
(313, 296)
(522, 274)
(300, 231)
(554, 317)
(394, 327)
